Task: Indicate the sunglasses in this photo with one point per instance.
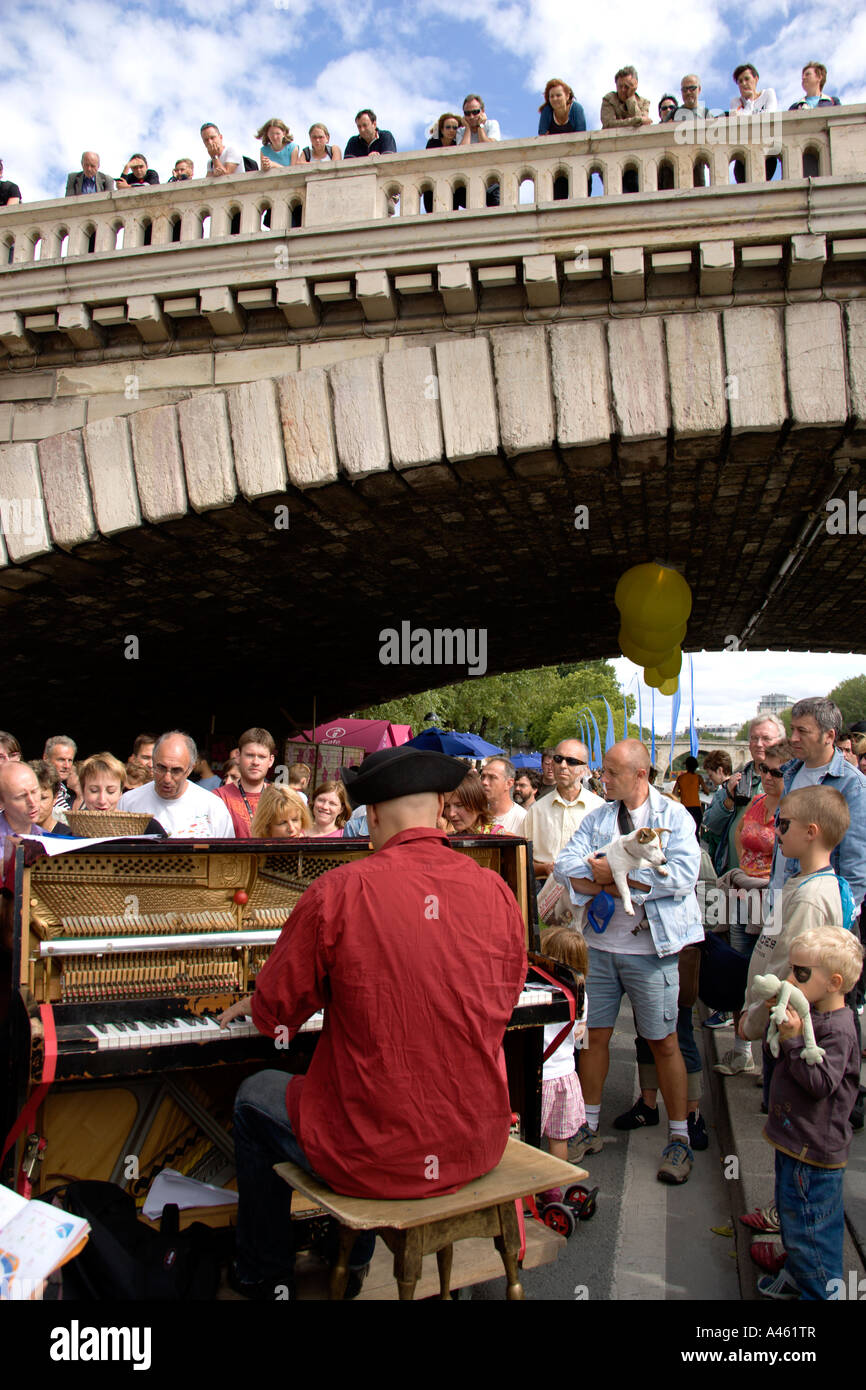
(770, 771)
(784, 825)
(668, 108)
(572, 762)
(476, 111)
(801, 973)
(688, 89)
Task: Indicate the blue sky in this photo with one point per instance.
(120, 77)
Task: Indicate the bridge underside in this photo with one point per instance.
(240, 622)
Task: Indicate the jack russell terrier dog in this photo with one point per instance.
(628, 852)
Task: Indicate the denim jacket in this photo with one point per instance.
(671, 905)
(848, 858)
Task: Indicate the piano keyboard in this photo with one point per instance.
(167, 1032)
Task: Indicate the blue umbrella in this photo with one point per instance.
(527, 760)
(449, 741)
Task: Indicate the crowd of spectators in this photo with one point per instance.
(560, 113)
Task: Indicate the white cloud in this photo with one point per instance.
(728, 685)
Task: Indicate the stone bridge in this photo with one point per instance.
(236, 450)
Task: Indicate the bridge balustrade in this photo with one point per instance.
(661, 160)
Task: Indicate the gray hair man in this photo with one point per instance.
(551, 822)
(815, 722)
(88, 179)
(184, 810)
(60, 752)
(692, 109)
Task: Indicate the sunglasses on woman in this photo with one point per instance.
(770, 771)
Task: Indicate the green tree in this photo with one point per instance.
(850, 696)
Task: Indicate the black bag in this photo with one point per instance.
(723, 975)
(126, 1260)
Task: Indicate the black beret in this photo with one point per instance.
(394, 772)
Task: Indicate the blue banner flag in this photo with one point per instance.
(675, 714)
(596, 742)
(693, 733)
(653, 726)
(609, 735)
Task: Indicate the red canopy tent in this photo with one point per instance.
(344, 743)
(367, 734)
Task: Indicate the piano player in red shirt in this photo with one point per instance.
(417, 956)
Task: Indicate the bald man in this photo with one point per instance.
(186, 811)
(636, 955)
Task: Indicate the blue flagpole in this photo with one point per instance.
(694, 742)
(653, 727)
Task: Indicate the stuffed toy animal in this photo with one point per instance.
(785, 993)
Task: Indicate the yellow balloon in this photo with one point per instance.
(672, 665)
(669, 687)
(645, 650)
(653, 598)
(652, 678)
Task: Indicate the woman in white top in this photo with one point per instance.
(319, 151)
(752, 102)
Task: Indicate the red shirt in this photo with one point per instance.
(417, 956)
(241, 818)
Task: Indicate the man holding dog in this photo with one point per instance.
(635, 955)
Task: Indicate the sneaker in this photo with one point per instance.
(640, 1116)
(781, 1286)
(768, 1255)
(676, 1164)
(735, 1063)
(718, 1020)
(698, 1137)
(763, 1219)
(586, 1141)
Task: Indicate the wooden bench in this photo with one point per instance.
(413, 1228)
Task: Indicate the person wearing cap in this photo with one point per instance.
(417, 956)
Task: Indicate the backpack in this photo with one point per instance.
(126, 1260)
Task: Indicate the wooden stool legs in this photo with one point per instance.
(340, 1272)
(508, 1245)
(443, 1260)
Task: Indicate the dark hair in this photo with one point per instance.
(473, 96)
(257, 736)
(745, 67)
(46, 773)
(141, 741)
(367, 112)
(825, 714)
(207, 125)
(9, 741)
(668, 96)
(691, 764)
(719, 761)
(532, 775)
(137, 156)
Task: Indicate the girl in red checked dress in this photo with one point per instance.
(562, 1108)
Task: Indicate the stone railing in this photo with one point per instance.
(659, 160)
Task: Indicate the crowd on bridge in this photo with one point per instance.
(629, 882)
(560, 113)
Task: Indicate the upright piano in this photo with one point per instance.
(124, 955)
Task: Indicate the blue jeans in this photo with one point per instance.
(812, 1219)
(263, 1136)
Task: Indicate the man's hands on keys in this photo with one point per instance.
(242, 1009)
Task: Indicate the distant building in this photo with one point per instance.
(774, 704)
